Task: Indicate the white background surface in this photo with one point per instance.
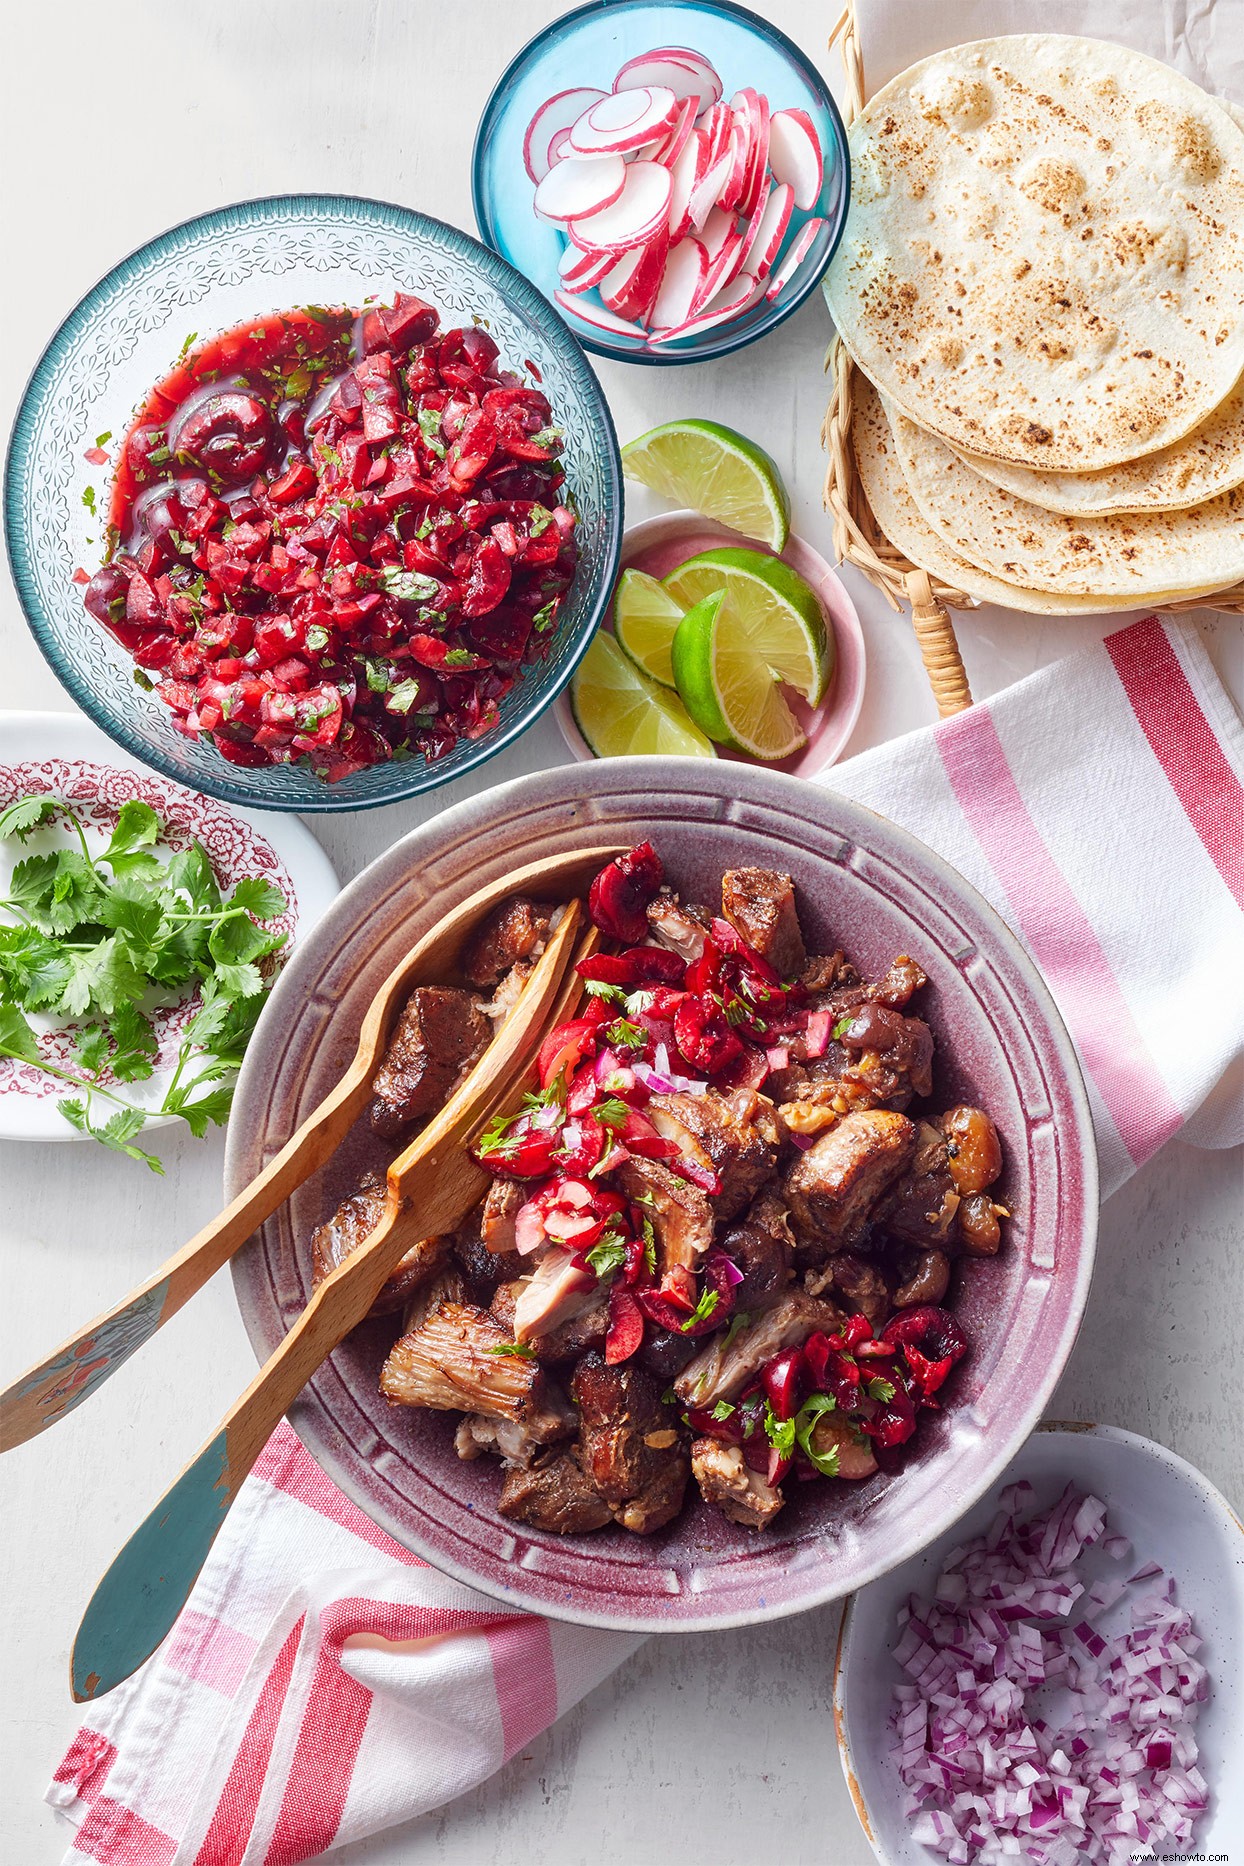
(119, 120)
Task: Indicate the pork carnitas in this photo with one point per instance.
(721, 1234)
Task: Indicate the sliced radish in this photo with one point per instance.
(598, 317)
(737, 297)
(581, 271)
(680, 283)
(721, 271)
(676, 68)
(716, 230)
(707, 192)
(718, 122)
(679, 136)
(759, 166)
(685, 176)
(740, 158)
(630, 287)
(625, 121)
(559, 148)
(799, 249)
(770, 231)
(640, 211)
(795, 155)
(752, 225)
(579, 186)
(553, 117)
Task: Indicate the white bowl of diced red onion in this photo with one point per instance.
(675, 200)
(1056, 1679)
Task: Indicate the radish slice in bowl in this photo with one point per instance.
(800, 247)
(685, 271)
(688, 74)
(640, 211)
(795, 155)
(598, 317)
(732, 302)
(579, 186)
(631, 285)
(552, 120)
(624, 121)
(580, 271)
(770, 230)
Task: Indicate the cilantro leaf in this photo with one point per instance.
(258, 897)
(91, 1050)
(17, 1039)
(131, 907)
(805, 1422)
(102, 979)
(841, 1028)
(881, 1389)
(33, 969)
(117, 1131)
(611, 1113)
(136, 1046)
(704, 1308)
(239, 981)
(137, 827)
(607, 1256)
(722, 1410)
(779, 1432)
(517, 1350)
(27, 814)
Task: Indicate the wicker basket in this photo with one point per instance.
(859, 539)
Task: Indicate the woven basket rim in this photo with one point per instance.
(858, 538)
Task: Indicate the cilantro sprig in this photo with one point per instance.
(102, 940)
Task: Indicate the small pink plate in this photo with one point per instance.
(658, 545)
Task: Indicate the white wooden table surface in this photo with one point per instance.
(120, 120)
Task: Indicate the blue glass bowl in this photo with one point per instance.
(205, 277)
(586, 47)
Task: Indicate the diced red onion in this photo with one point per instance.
(820, 1024)
(986, 1779)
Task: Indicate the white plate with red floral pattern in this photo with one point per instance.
(66, 756)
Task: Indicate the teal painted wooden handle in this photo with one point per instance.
(148, 1584)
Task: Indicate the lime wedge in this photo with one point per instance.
(726, 689)
(645, 616)
(770, 605)
(621, 713)
(716, 471)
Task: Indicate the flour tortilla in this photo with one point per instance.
(1044, 258)
(900, 518)
(1138, 552)
(1209, 461)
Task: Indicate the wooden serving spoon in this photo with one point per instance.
(76, 1369)
(433, 1184)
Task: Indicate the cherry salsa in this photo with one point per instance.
(337, 537)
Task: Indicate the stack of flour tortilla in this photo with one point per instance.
(1042, 285)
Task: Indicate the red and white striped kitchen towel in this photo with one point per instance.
(322, 1683)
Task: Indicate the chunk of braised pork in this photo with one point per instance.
(484, 1270)
(759, 903)
(681, 929)
(823, 971)
(501, 1206)
(554, 1493)
(739, 1492)
(921, 1208)
(858, 1284)
(440, 1034)
(558, 1291)
(568, 1338)
(734, 1135)
(515, 929)
(763, 1248)
(507, 1439)
(353, 1221)
(629, 1443)
(734, 1357)
(925, 1278)
(449, 1361)
(895, 989)
(681, 1216)
(833, 1189)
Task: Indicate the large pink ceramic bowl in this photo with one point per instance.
(864, 884)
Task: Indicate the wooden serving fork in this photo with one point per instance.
(432, 1186)
(79, 1366)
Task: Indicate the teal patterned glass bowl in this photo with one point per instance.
(207, 276)
(586, 48)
